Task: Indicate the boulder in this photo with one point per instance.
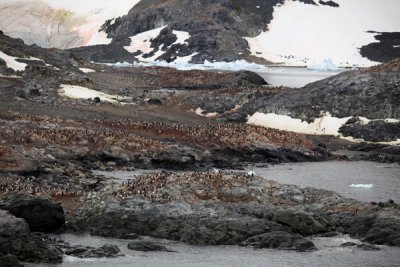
(16, 239)
(280, 240)
(106, 251)
(142, 245)
(302, 222)
(41, 214)
(9, 261)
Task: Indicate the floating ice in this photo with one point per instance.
(367, 186)
(182, 65)
(324, 65)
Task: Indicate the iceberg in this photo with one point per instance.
(324, 65)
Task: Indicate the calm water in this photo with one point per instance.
(294, 77)
(339, 175)
(329, 253)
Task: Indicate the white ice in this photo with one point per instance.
(324, 65)
(79, 92)
(367, 186)
(300, 34)
(182, 64)
(199, 112)
(86, 70)
(12, 63)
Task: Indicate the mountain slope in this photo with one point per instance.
(302, 32)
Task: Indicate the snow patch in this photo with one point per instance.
(79, 92)
(367, 186)
(10, 76)
(325, 125)
(86, 70)
(322, 31)
(181, 36)
(141, 41)
(12, 63)
(199, 112)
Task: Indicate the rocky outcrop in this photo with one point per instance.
(374, 131)
(385, 49)
(373, 93)
(142, 245)
(9, 261)
(280, 240)
(105, 251)
(41, 214)
(16, 239)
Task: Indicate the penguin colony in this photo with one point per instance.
(193, 187)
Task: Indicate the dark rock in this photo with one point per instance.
(106, 251)
(385, 49)
(16, 239)
(41, 214)
(10, 261)
(280, 240)
(142, 245)
(97, 99)
(374, 131)
(154, 101)
(329, 3)
(368, 247)
(348, 244)
(250, 78)
(301, 222)
(172, 161)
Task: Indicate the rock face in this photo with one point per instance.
(374, 131)
(385, 49)
(41, 214)
(15, 239)
(216, 29)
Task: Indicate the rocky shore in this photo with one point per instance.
(200, 208)
(190, 124)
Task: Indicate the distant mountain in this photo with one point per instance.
(291, 32)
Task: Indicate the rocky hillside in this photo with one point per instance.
(215, 29)
(35, 69)
(229, 30)
(364, 98)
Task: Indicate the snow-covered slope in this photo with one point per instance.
(60, 23)
(292, 32)
(303, 34)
